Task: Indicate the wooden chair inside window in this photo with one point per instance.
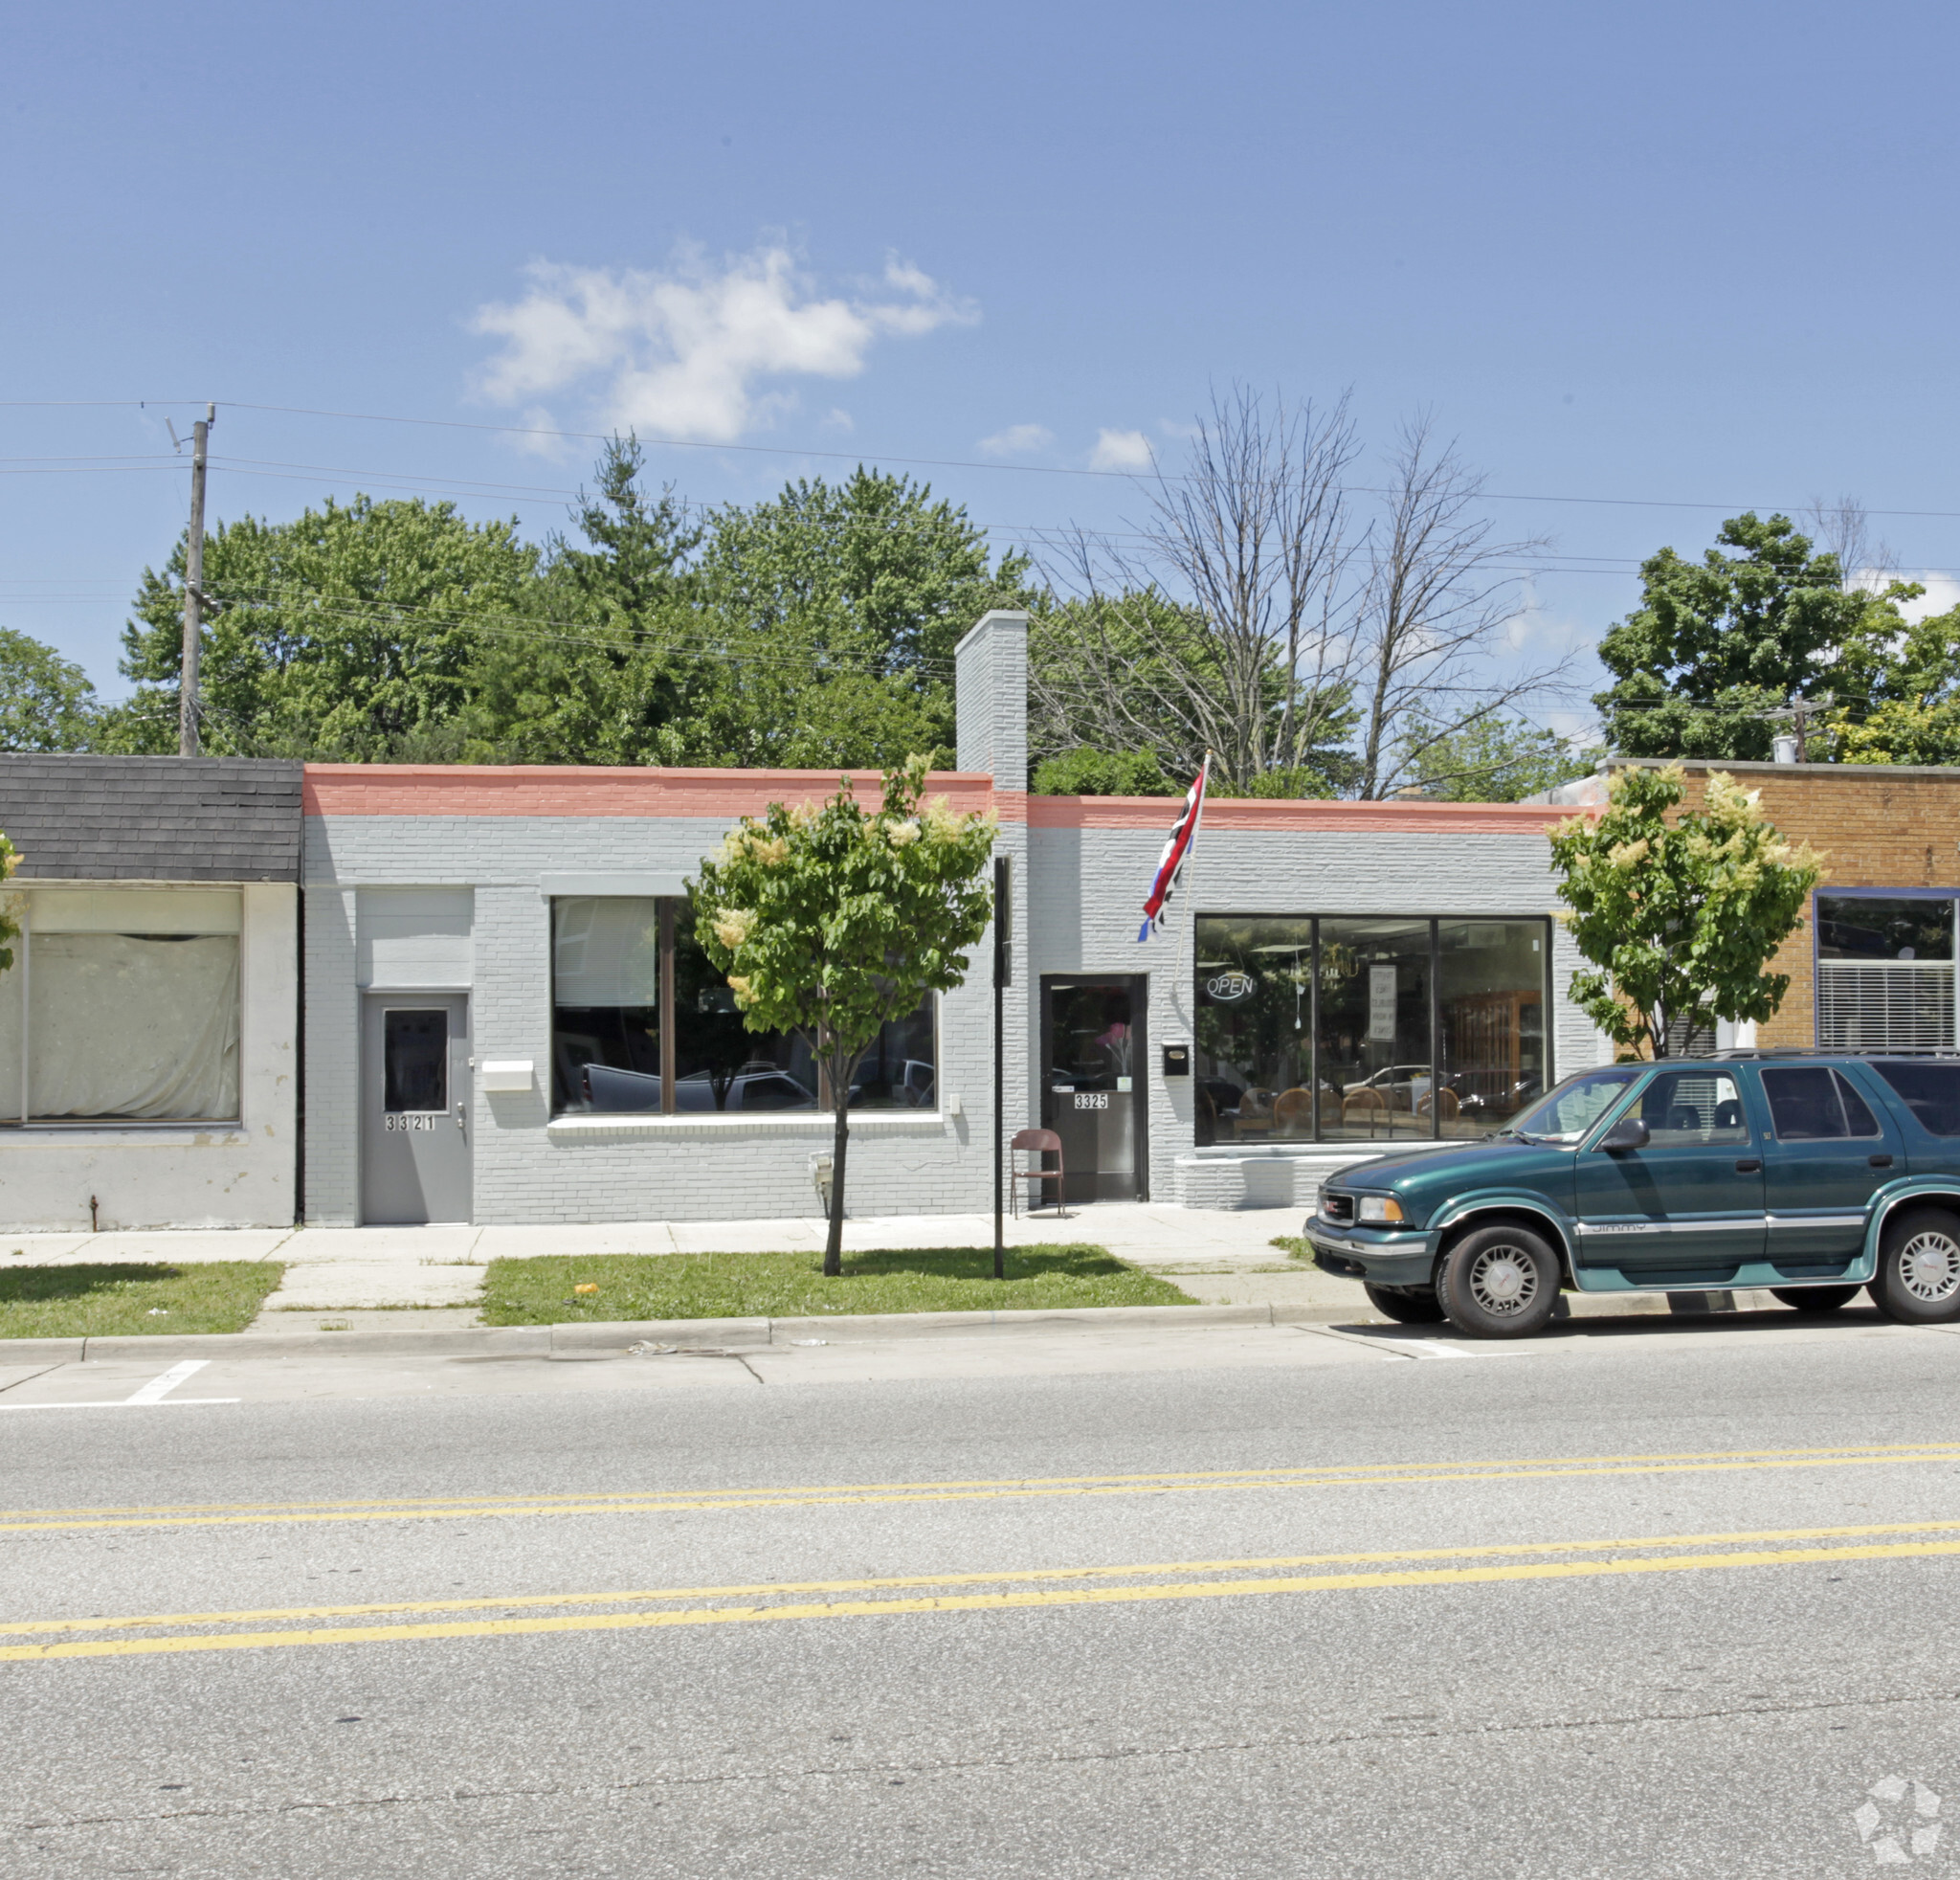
(1293, 1113)
(1364, 1103)
(1037, 1143)
(1446, 1104)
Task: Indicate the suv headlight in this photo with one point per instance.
(1380, 1208)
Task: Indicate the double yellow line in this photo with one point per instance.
(1017, 1590)
(675, 1501)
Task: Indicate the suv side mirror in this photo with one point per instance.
(1629, 1132)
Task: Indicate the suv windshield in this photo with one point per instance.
(1565, 1115)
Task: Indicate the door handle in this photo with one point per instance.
(1879, 1161)
(1748, 1165)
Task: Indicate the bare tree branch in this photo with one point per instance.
(1845, 529)
(1439, 592)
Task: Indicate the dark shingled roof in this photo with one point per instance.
(152, 819)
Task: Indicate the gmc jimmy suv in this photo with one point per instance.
(1812, 1173)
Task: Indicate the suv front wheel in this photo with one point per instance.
(1918, 1281)
(1500, 1282)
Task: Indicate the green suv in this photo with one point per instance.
(1812, 1173)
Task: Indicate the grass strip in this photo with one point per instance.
(714, 1285)
(119, 1301)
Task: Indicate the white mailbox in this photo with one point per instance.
(506, 1073)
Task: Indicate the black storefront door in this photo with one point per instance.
(1093, 1083)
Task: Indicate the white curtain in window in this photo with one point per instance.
(135, 1025)
(607, 951)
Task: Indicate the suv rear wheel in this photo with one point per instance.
(1406, 1305)
(1918, 1281)
(1500, 1282)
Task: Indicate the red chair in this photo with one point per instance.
(1037, 1143)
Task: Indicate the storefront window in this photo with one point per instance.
(605, 1003)
(1885, 971)
(1254, 1014)
(1490, 998)
(1375, 1073)
(1349, 1028)
(611, 959)
(123, 1005)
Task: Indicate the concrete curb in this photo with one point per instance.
(752, 1333)
(759, 1334)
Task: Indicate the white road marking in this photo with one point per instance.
(159, 1388)
(153, 1396)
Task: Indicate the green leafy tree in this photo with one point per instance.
(46, 702)
(1678, 913)
(1494, 759)
(9, 927)
(833, 609)
(830, 921)
(1715, 646)
(348, 632)
(1086, 771)
(1910, 713)
(614, 668)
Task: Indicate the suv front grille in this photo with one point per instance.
(1338, 1207)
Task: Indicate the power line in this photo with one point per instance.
(921, 463)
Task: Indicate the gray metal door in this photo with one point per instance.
(414, 1107)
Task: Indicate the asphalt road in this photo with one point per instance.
(1670, 1600)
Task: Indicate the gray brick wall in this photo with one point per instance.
(990, 690)
(1090, 884)
(674, 1169)
(152, 819)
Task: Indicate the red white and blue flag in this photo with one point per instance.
(1176, 850)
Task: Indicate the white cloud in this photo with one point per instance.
(698, 350)
(1942, 593)
(1121, 450)
(1016, 439)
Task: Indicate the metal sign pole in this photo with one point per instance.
(1003, 972)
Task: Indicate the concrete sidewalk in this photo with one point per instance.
(1218, 1256)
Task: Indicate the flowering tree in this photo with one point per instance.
(831, 920)
(1679, 918)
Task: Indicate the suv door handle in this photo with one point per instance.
(1748, 1165)
(1879, 1161)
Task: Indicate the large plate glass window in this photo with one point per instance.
(1376, 1071)
(1352, 1028)
(122, 1006)
(605, 1002)
(1255, 1020)
(637, 1006)
(1885, 971)
(1490, 1002)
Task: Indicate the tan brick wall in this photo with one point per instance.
(1877, 828)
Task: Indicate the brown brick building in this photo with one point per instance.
(1872, 963)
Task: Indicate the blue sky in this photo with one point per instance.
(1670, 255)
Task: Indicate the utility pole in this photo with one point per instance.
(193, 591)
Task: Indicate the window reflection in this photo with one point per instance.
(1348, 1028)
(607, 968)
(1491, 1000)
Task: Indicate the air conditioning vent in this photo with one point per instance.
(1902, 1005)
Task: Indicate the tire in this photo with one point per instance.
(1815, 1298)
(1500, 1282)
(1405, 1305)
(1918, 1281)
